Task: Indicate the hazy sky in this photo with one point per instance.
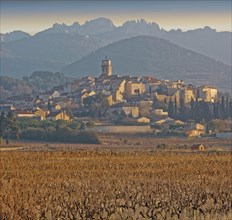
(33, 16)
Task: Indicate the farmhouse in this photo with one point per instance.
(198, 147)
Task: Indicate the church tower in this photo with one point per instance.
(106, 67)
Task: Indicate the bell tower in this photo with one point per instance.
(106, 67)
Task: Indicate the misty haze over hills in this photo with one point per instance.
(61, 45)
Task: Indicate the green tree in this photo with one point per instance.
(2, 117)
(10, 127)
(83, 126)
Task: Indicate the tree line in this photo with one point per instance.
(56, 131)
(200, 110)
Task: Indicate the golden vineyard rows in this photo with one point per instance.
(115, 185)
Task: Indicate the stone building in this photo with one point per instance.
(208, 94)
(187, 94)
(135, 88)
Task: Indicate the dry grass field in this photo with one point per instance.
(103, 184)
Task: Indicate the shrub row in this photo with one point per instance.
(60, 135)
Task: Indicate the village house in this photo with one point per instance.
(7, 107)
(24, 114)
(195, 130)
(118, 89)
(163, 124)
(143, 120)
(135, 121)
(159, 112)
(187, 95)
(59, 115)
(169, 125)
(41, 113)
(178, 125)
(160, 97)
(134, 88)
(22, 102)
(125, 108)
(109, 98)
(117, 96)
(36, 101)
(85, 94)
(80, 97)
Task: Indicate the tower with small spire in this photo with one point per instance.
(106, 67)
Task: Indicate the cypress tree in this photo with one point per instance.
(170, 108)
(227, 113)
(223, 108)
(214, 110)
(175, 107)
(218, 108)
(230, 109)
(196, 114)
(182, 110)
(192, 105)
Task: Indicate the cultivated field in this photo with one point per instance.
(104, 184)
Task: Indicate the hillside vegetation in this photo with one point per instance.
(45, 80)
(10, 86)
(153, 56)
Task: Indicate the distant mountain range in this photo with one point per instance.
(60, 45)
(12, 36)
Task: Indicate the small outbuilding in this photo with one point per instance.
(198, 147)
(143, 120)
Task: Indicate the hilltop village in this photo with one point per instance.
(109, 100)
